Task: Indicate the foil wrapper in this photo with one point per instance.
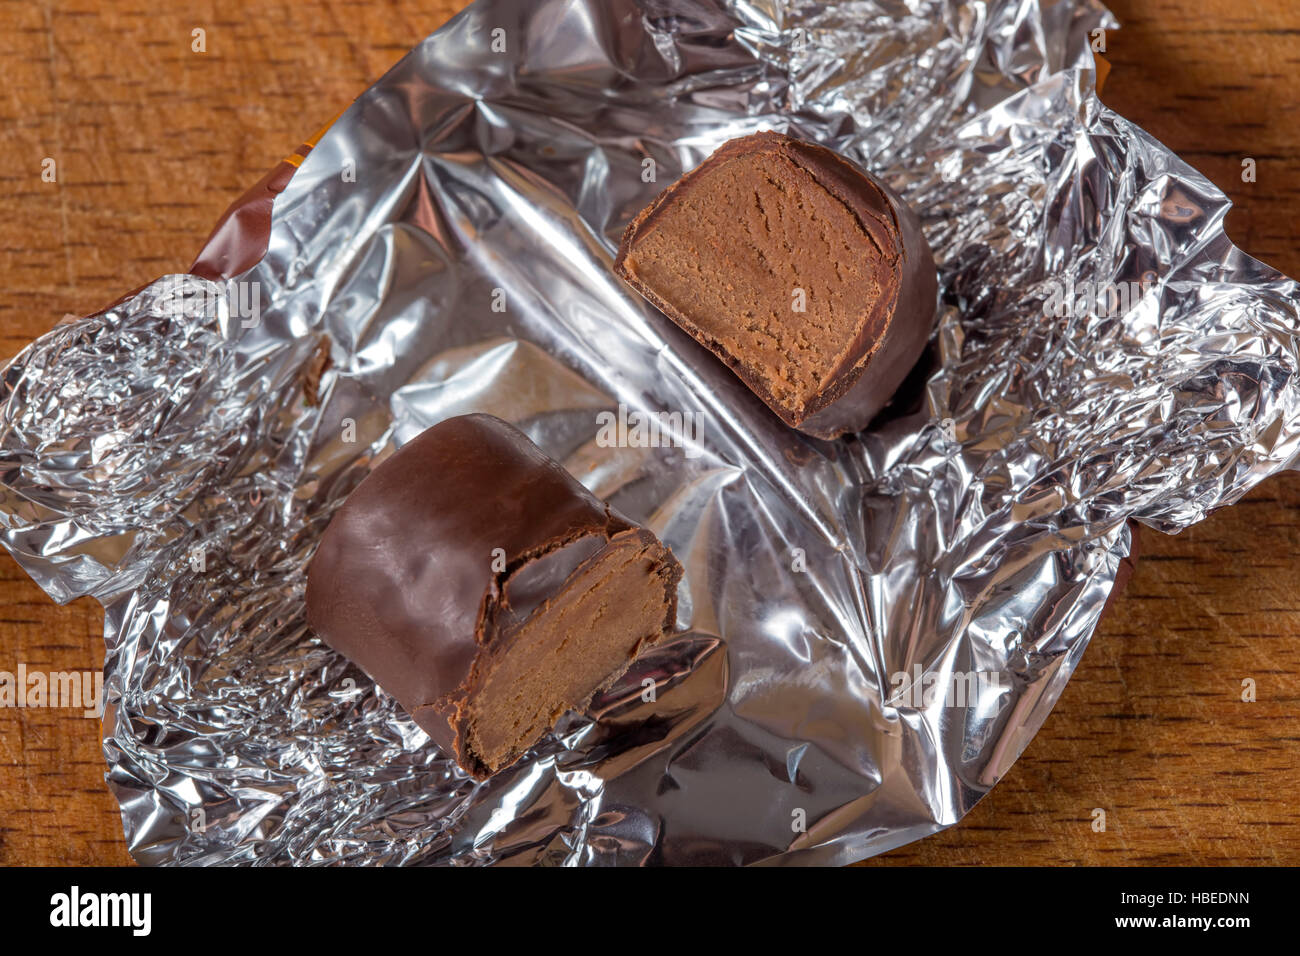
(449, 242)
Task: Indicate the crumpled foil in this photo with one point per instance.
(977, 527)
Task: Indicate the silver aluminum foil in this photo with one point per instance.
(977, 527)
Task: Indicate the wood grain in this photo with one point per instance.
(153, 140)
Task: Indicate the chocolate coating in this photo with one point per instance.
(415, 576)
(800, 216)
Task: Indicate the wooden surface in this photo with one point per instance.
(152, 141)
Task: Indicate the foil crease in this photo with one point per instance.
(164, 456)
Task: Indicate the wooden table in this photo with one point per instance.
(153, 140)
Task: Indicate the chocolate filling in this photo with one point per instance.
(583, 641)
(806, 276)
(486, 589)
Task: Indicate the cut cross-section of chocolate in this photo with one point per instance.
(807, 276)
(485, 588)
